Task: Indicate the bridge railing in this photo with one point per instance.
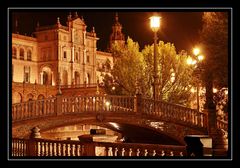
(68, 105)
(173, 112)
(60, 105)
(44, 147)
(81, 104)
(33, 109)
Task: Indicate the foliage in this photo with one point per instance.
(214, 37)
(127, 69)
(134, 69)
(169, 63)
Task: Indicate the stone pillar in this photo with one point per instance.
(88, 145)
(219, 142)
(138, 103)
(32, 145)
(211, 113)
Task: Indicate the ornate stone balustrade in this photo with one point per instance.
(61, 105)
(130, 149)
(43, 147)
(173, 112)
(33, 109)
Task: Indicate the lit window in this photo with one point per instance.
(76, 56)
(65, 55)
(22, 54)
(29, 55)
(26, 74)
(14, 52)
(88, 59)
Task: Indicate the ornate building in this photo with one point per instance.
(58, 54)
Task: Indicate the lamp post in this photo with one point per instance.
(155, 25)
(197, 59)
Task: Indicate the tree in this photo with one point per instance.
(175, 76)
(134, 69)
(127, 69)
(214, 37)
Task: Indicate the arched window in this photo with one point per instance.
(65, 55)
(29, 55)
(76, 56)
(14, 53)
(88, 79)
(21, 54)
(88, 57)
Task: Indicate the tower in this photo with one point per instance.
(117, 36)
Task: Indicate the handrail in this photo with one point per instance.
(63, 105)
(49, 148)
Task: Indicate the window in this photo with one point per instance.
(21, 54)
(29, 55)
(26, 74)
(14, 52)
(76, 56)
(65, 38)
(65, 55)
(88, 57)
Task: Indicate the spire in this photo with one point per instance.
(76, 15)
(117, 35)
(93, 29)
(82, 19)
(69, 16)
(58, 22)
(116, 17)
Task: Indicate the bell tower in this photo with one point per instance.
(117, 36)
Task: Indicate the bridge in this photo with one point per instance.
(172, 120)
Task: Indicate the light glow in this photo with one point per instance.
(200, 57)
(155, 23)
(196, 51)
(215, 90)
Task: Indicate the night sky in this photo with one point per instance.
(180, 28)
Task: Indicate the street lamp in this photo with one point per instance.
(199, 58)
(155, 25)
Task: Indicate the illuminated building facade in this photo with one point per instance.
(57, 54)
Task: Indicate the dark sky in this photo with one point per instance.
(180, 28)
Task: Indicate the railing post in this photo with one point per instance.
(89, 145)
(138, 103)
(32, 146)
(58, 104)
(89, 149)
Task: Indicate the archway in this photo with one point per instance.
(46, 76)
(16, 98)
(40, 97)
(30, 97)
